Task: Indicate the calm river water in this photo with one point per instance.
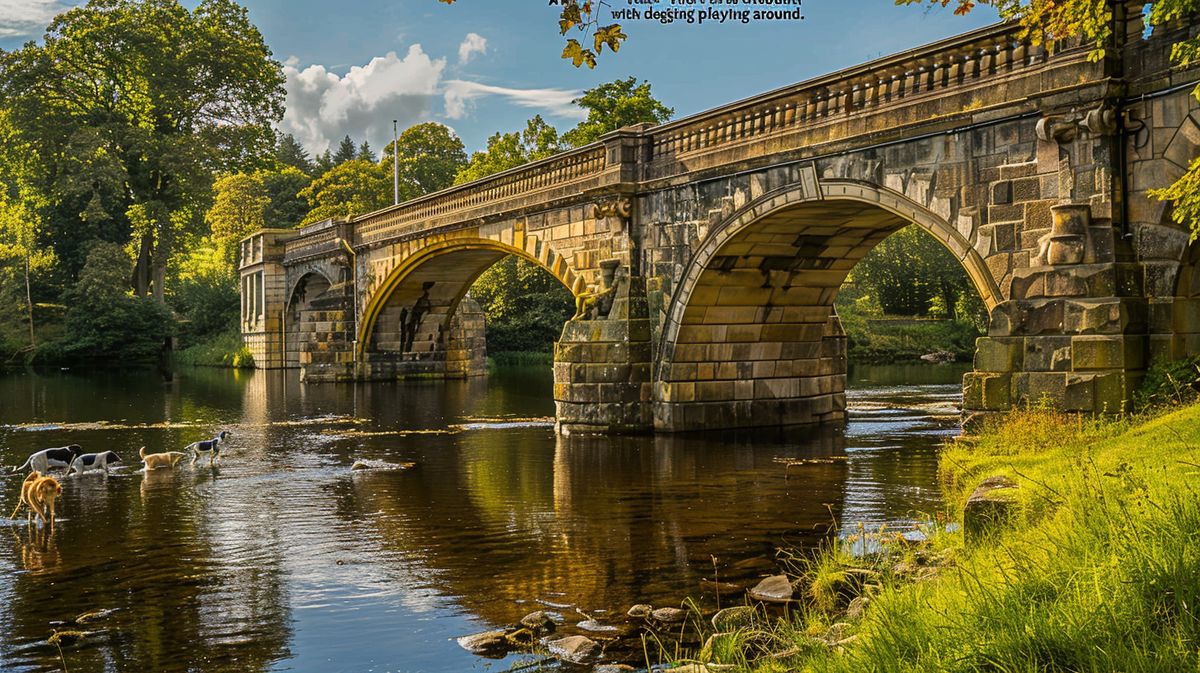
(283, 559)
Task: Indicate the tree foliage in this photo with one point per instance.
(105, 323)
(430, 155)
(526, 306)
(508, 150)
(353, 187)
(911, 274)
(132, 105)
(614, 105)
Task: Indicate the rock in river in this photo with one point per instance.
(575, 649)
(488, 643)
(669, 615)
(774, 589)
(538, 622)
(640, 610)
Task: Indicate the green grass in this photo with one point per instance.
(1098, 571)
(223, 350)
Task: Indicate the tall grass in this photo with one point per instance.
(1099, 570)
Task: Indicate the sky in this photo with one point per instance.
(483, 66)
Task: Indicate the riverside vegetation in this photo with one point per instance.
(1094, 568)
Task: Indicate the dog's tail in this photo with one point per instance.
(142, 453)
(18, 469)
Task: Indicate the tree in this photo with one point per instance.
(239, 206)
(105, 322)
(509, 150)
(526, 306)
(365, 152)
(286, 207)
(614, 105)
(584, 17)
(430, 156)
(289, 152)
(346, 151)
(911, 274)
(1092, 22)
(20, 226)
(351, 188)
(132, 105)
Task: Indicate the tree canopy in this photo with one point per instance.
(132, 105)
(614, 105)
(353, 187)
(430, 155)
(538, 140)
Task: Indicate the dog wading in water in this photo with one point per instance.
(166, 459)
(93, 461)
(210, 446)
(38, 494)
(45, 459)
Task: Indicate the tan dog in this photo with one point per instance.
(166, 459)
(39, 493)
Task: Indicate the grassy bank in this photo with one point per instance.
(520, 359)
(223, 350)
(1098, 570)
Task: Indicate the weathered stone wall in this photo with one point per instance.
(705, 253)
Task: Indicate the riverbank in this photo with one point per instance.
(223, 350)
(1096, 568)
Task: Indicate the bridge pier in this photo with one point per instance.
(602, 364)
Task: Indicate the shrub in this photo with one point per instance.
(1169, 383)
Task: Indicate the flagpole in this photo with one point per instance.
(395, 165)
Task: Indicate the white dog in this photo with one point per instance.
(93, 461)
(45, 459)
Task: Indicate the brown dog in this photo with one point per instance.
(39, 493)
(154, 461)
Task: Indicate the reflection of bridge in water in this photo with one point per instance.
(706, 252)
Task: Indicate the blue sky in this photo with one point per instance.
(482, 66)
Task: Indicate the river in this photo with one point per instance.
(282, 558)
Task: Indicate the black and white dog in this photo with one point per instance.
(210, 446)
(93, 461)
(45, 459)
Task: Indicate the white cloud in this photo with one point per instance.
(472, 44)
(19, 18)
(323, 106)
(554, 101)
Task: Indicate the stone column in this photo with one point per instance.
(602, 362)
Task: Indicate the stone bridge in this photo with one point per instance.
(706, 253)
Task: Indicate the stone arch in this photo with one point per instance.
(300, 324)
(750, 337)
(419, 319)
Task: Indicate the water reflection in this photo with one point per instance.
(284, 559)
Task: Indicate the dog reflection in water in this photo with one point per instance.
(38, 550)
(38, 495)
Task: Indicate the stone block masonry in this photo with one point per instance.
(705, 254)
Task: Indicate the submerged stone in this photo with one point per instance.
(641, 610)
(669, 615)
(538, 622)
(575, 649)
(488, 643)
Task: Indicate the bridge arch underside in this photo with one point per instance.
(424, 323)
(305, 324)
(753, 339)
